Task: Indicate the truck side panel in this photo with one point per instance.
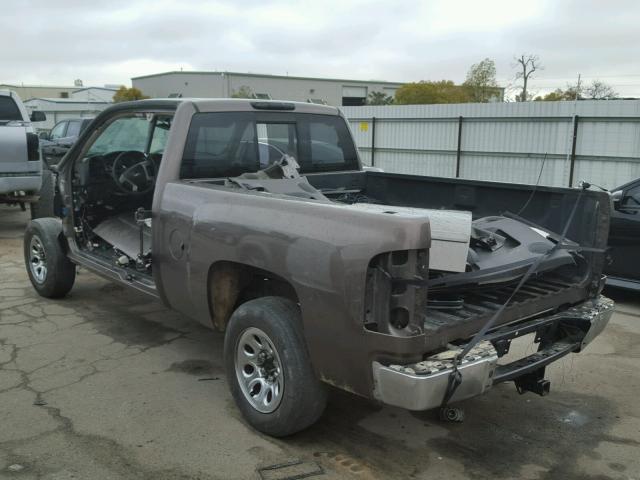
(323, 255)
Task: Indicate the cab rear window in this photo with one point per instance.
(227, 144)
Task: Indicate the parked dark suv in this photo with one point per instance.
(61, 137)
(624, 237)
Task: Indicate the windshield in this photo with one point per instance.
(227, 144)
(123, 134)
(9, 111)
(131, 133)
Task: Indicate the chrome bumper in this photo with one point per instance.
(422, 385)
(17, 183)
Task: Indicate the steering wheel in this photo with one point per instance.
(133, 173)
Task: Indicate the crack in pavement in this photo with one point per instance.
(33, 320)
(115, 377)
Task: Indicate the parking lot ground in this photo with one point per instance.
(106, 384)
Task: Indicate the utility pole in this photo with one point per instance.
(575, 100)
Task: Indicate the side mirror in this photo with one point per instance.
(616, 198)
(44, 135)
(37, 116)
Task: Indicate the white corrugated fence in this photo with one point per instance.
(596, 141)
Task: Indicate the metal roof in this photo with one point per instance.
(67, 100)
(95, 88)
(15, 85)
(265, 75)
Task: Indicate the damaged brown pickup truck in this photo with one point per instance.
(257, 218)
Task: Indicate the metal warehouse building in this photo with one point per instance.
(329, 91)
(82, 102)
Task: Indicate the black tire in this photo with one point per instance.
(44, 207)
(303, 397)
(45, 234)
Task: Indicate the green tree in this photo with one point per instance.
(558, 95)
(125, 94)
(379, 98)
(481, 81)
(425, 92)
(573, 92)
(243, 92)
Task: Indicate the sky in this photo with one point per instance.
(55, 42)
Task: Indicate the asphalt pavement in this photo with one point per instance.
(107, 384)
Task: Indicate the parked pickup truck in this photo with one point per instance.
(21, 174)
(257, 218)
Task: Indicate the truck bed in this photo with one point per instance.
(457, 315)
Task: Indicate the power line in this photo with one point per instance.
(611, 84)
(586, 76)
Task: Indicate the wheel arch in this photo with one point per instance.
(230, 284)
(53, 225)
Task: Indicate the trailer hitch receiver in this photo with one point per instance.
(533, 382)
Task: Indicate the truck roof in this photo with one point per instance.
(230, 104)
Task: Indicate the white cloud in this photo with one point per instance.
(56, 42)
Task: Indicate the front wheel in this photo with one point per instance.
(268, 367)
(51, 272)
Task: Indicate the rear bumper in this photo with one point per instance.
(422, 385)
(625, 283)
(27, 183)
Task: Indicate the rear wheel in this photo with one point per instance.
(51, 273)
(268, 367)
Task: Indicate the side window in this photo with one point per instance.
(58, 131)
(123, 134)
(73, 130)
(631, 198)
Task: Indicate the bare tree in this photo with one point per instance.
(599, 90)
(527, 65)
